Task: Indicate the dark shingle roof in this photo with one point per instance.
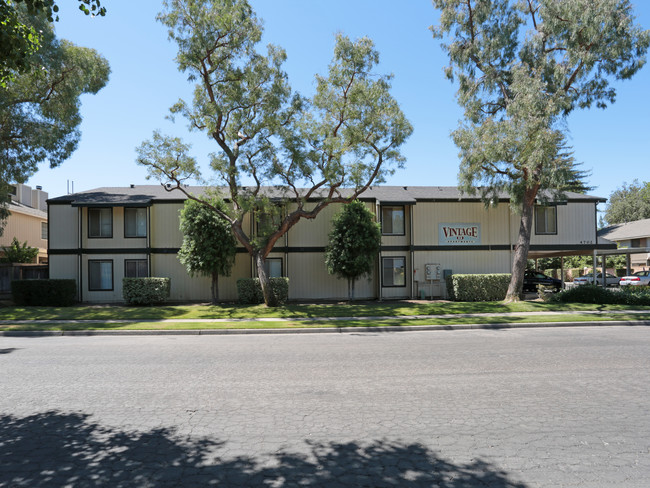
(139, 195)
(628, 230)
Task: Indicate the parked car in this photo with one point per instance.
(640, 278)
(534, 278)
(610, 279)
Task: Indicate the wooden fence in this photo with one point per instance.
(10, 272)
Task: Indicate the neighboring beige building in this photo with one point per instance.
(631, 235)
(27, 220)
(100, 236)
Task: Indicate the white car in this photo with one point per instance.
(640, 278)
(610, 279)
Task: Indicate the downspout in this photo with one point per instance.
(412, 252)
(149, 240)
(379, 265)
(80, 260)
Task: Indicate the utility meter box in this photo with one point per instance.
(432, 272)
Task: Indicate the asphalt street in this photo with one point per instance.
(498, 408)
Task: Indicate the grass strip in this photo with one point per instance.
(230, 311)
(401, 322)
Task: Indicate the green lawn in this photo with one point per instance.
(372, 309)
(145, 317)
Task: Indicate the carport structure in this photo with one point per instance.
(604, 247)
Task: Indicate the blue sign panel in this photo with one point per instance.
(459, 234)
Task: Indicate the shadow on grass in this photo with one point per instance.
(69, 449)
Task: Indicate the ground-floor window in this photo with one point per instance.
(393, 271)
(273, 267)
(136, 268)
(100, 275)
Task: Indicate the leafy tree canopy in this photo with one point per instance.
(19, 253)
(19, 39)
(209, 246)
(354, 242)
(522, 66)
(39, 108)
(312, 151)
(629, 203)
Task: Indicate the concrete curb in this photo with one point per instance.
(324, 330)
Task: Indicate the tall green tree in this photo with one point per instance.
(313, 152)
(40, 108)
(19, 39)
(19, 253)
(354, 242)
(628, 203)
(209, 246)
(522, 67)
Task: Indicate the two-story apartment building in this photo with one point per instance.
(27, 219)
(100, 236)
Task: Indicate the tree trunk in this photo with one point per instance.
(215, 288)
(350, 290)
(269, 297)
(521, 251)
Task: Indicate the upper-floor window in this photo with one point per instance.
(545, 219)
(392, 221)
(100, 222)
(44, 230)
(135, 222)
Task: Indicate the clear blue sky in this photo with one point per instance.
(144, 83)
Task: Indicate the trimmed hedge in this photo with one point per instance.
(249, 290)
(145, 291)
(478, 287)
(44, 293)
(628, 295)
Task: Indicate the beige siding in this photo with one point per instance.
(428, 215)
(64, 267)
(459, 262)
(315, 232)
(187, 288)
(118, 240)
(309, 280)
(576, 224)
(114, 295)
(64, 227)
(396, 240)
(398, 291)
(165, 231)
(26, 228)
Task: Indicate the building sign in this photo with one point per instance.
(459, 234)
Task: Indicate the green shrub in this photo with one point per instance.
(249, 290)
(46, 293)
(628, 295)
(145, 291)
(478, 287)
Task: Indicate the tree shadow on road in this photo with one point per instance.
(54, 449)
